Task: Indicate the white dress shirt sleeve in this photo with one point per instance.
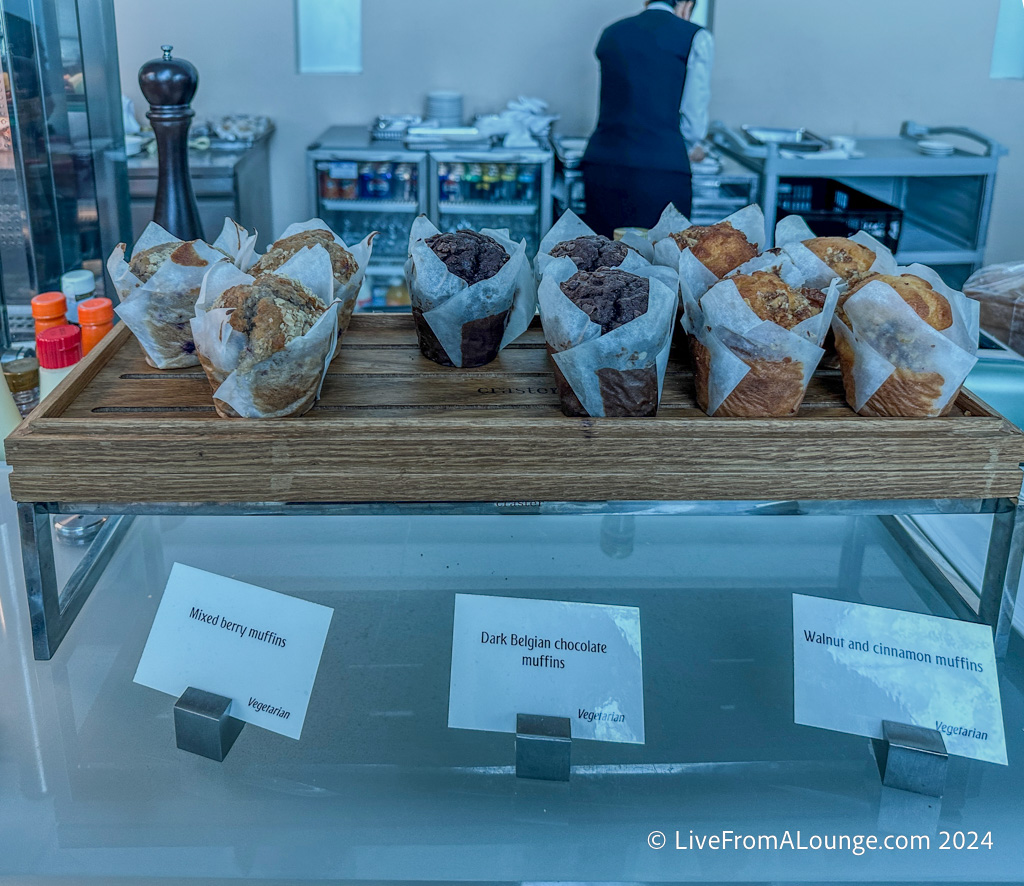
(695, 109)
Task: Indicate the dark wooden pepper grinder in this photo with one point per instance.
(169, 85)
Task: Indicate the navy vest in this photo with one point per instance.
(643, 72)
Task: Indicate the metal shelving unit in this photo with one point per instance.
(947, 201)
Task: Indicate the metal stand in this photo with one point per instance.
(543, 747)
(912, 758)
(50, 611)
(202, 725)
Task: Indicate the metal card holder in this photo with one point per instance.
(912, 758)
(202, 725)
(543, 747)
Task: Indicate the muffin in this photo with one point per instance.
(469, 255)
(591, 253)
(612, 299)
(720, 248)
(849, 260)
(772, 299)
(271, 313)
(343, 263)
(929, 305)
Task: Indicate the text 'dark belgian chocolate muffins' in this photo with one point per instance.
(472, 293)
(608, 333)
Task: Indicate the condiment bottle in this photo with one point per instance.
(97, 318)
(77, 286)
(58, 349)
(22, 377)
(49, 309)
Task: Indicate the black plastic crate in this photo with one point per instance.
(832, 209)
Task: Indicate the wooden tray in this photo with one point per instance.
(393, 426)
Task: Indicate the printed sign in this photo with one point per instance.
(257, 647)
(577, 660)
(856, 665)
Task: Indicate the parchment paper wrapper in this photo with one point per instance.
(349, 293)
(289, 382)
(792, 232)
(895, 364)
(158, 311)
(694, 277)
(570, 226)
(621, 374)
(749, 367)
(462, 325)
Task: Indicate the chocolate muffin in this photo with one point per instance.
(469, 255)
(609, 297)
(591, 253)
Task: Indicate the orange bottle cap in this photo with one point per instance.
(49, 305)
(95, 311)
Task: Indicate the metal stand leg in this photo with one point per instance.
(543, 747)
(52, 612)
(202, 725)
(912, 758)
(1002, 574)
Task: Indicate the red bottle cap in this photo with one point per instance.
(59, 347)
(96, 311)
(49, 305)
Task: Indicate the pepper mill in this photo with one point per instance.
(169, 85)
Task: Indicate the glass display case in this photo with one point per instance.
(359, 186)
(63, 176)
(493, 189)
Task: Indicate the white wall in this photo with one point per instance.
(837, 67)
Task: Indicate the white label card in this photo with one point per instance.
(855, 666)
(257, 647)
(577, 660)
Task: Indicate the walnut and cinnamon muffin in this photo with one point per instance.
(720, 248)
(591, 253)
(469, 255)
(851, 261)
(931, 306)
(342, 261)
(771, 298)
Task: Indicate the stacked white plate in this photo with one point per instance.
(932, 148)
(445, 107)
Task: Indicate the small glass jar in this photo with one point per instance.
(22, 378)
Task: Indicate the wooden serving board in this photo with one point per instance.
(394, 427)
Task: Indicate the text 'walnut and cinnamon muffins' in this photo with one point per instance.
(472, 293)
(265, 342)
(158, 287)
(756, 340)
(609, 333)
(906, 343)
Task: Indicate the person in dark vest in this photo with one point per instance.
(655, 93)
